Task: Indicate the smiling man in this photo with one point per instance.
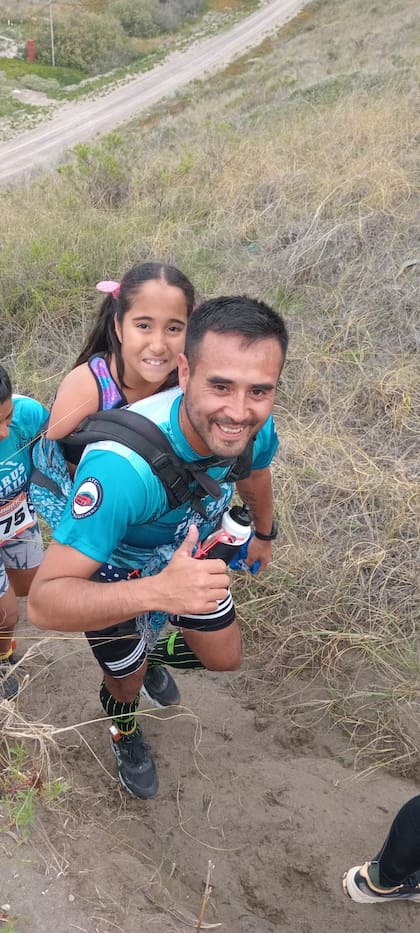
(118, 528)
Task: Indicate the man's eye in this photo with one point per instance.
(142, 325)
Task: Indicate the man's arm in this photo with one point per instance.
(257, 492)
(62, 596)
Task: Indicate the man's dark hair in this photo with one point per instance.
(248, 318)
(5, 385)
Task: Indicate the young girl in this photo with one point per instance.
(132, 350)
(21, 549)
(130, 354)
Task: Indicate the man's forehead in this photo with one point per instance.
(229, 348)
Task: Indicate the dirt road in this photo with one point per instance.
(38, 149)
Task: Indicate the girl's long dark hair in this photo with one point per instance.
(103, 338)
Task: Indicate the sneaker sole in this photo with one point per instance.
(154, 702)
(144, 796)
(363, 897)
(351, 889)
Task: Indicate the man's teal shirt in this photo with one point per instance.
(119, 510)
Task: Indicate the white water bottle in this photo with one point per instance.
(234, 532)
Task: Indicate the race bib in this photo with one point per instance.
(15, 517)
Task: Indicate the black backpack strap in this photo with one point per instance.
(143, 436)
(242, 466)
(183, 480)
(41, 479)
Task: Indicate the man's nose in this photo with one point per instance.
(237, 408)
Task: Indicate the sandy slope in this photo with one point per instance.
(278, 812)
(40, 148)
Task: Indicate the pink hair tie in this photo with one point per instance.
(107, 288)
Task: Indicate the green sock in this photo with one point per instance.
(123, 714)
(374, 873)
(173, 651)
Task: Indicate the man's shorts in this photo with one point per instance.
(122, 649)
(21, 553)
(223, 616)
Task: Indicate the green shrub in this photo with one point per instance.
(101, 172)
(136, 18)
(9, 105)
(146, 18)
(15, 68)
(43, 85)
(91, 43)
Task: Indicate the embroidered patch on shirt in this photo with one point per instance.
(87, 499)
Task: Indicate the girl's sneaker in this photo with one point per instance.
(159, 687)
(9, 684)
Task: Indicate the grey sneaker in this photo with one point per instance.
(159, 687)
(9, 684)
(358, 886)
(136, 768)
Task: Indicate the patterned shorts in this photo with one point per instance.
(21, 553)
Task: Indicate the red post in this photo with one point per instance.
(30, 50)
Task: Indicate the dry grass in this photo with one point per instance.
(307, 195)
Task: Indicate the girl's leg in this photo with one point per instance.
(21, 579)
(9, 685)
(20, 559)
(8, 617)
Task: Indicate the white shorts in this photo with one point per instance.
(21, 553)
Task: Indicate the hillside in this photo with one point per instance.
(292, 176)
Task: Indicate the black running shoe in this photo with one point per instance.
(136, 768)
(160, 688)
(358, 885)
(9, 684)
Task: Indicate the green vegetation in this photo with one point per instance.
(152, 17)
(9, 926)
(21, 790)
(141, 36)
(17, 69)
(89, 43)
(10, 107)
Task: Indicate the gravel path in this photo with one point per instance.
(38, 149)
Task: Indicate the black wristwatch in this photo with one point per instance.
(273, 533)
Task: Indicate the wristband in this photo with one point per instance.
(273, 533)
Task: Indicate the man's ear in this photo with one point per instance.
(183, 371)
